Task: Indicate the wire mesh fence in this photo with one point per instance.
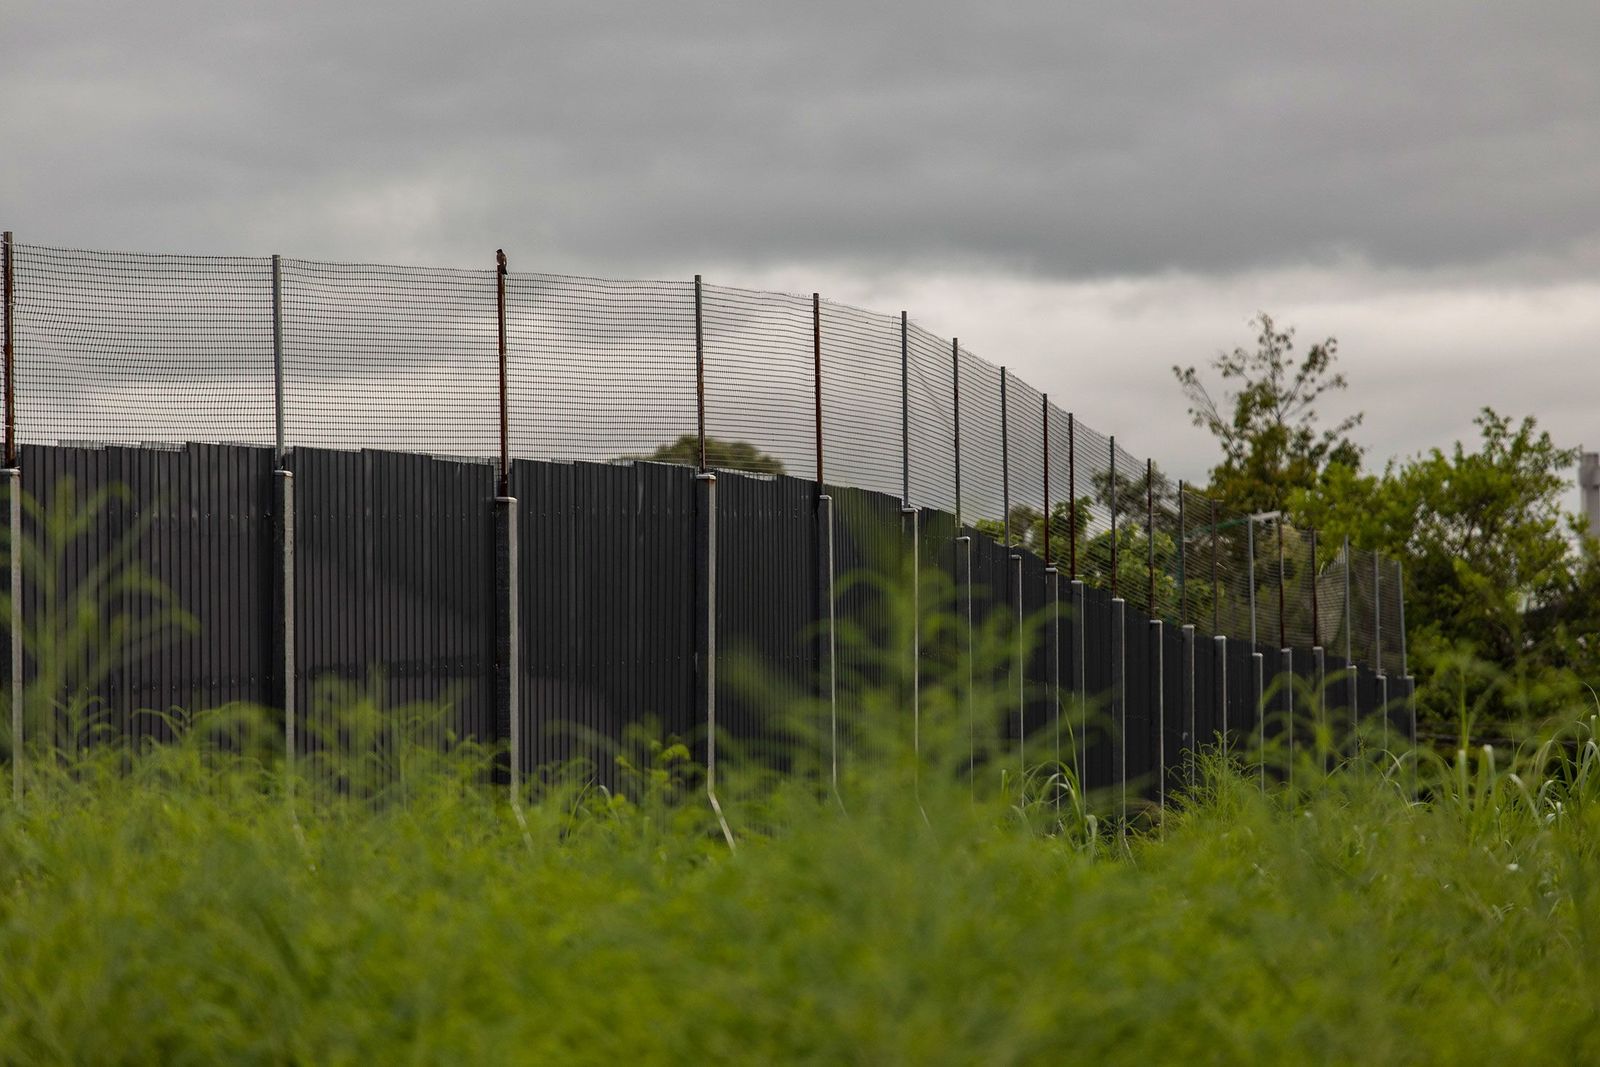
(132, 348)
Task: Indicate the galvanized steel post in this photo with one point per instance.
(1219, 649)
(705, 624)
(13, 475)
(283, 508)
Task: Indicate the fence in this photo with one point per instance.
(128, 348)
(394, 580)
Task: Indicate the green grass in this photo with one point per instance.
(175, 909)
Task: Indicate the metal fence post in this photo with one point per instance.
(505, 412)
(827, 681)
(816, 375)
(700, 373)
(283, 500)
(1219, 649)
(1072, 498)
(8, 279)
(1216, 577)
(1112, 451)
(955, 373)
(1183, 553)
(13, 476)
(1005, 458)
(1258, 661)
(1150, 530)
(905, 412)
(706, 632)
(1250, 567)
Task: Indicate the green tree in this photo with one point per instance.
(1496, 572)
(1266, 419)
(720, 455)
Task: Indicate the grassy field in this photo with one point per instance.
(180, 908)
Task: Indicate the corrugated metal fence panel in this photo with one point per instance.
(393, 591)
(766, 605)
(198, 517)
(1174, 725)
(606, 606)
(867, 557)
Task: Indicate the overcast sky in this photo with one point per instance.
(1087, 193)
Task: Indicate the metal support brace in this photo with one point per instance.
(508, 637)
(705, 652)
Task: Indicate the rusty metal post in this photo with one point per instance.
(1113, 477)
(1283, 639)
(905, 412)
(1072, 499)
(1150, 528)
(1048, 562)
(10, 299)
(955, 371)
(1216, 580)
(816, 375)
(1005, 457)
(1183, 553)
(700, 372)
(505, 411)
(1316, 627)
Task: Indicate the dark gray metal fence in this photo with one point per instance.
(394, 586)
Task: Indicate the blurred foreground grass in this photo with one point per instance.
(173, 908)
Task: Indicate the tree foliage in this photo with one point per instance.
(1496, 572)
(720, 455)
(1266, 419)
